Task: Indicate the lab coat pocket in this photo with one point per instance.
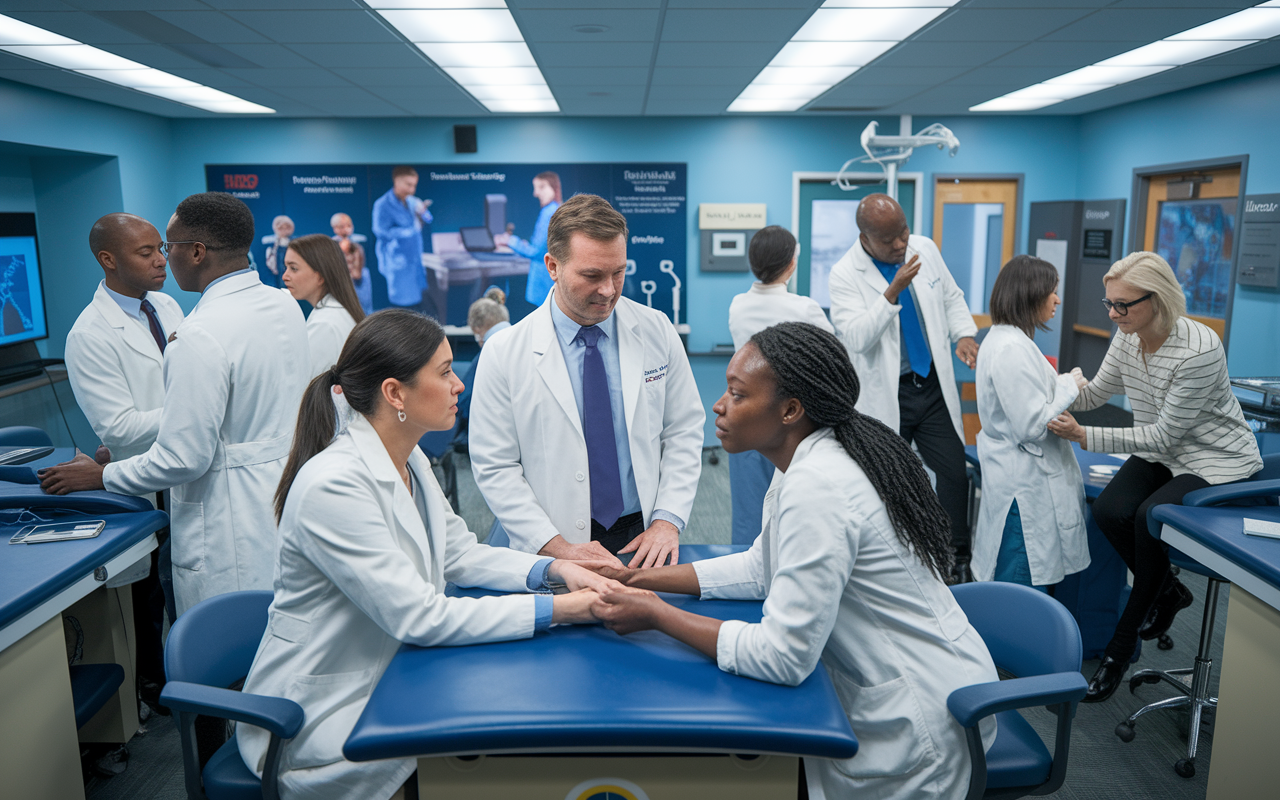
(332, 704)
(892, 737)
(187, 524)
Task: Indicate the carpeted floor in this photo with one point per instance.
(1101, 767)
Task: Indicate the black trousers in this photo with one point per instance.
(927, 422)
(1121, 514)
(620, 535)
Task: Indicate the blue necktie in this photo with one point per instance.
(912, 337)
(153, 322)
(597, 427)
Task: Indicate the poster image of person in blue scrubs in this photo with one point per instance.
(546, 187)
(398, 217)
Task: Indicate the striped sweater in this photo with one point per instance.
(1184, 413)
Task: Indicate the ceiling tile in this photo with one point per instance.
(709, 76)
(1263, 54)
(290, 78)
(594, 54)
(864, 95)
(999, 25)
(681, 108)
(133, 5)
(716, 54)
(212, 26)
(903, 76)
(350, 101)
(269, 56)
(414, 98)
(289, 27)
(602, 106)
(1040, 3)
(944, 54)
(624, 25)
(422, 76)
(597, 76)
(734, 4)
(734, 25)
(1129, 24)
(384, 56)
(723, 94)
(282, 5)
(1068, 55)
(586, 4)
(154, 55)
(1016, 77)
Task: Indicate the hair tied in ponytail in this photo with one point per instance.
(334, 380)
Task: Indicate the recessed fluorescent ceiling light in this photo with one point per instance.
(478, 43)
(38, 44)
(840, 37)
(1203, 41)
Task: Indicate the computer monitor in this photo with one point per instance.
(477, 240)
(22, 313)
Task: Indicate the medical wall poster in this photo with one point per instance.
(477, 225)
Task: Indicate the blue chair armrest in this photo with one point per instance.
(970, 704)
(1212, 495)
(277, 715)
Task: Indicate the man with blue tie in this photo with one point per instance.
(897, 309)
(586, 424)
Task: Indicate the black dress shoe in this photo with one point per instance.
(1173, 598)
(1106, 680)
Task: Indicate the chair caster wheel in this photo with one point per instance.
(1185, 768)
(1165, 642)
(1126, 733)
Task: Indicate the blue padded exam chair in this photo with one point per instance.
(211, 647)
(1261, 487)
(24, 436)
(1033, 637)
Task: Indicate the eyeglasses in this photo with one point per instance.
(165, 247)
(1123, 308)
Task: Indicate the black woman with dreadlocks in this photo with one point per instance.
(849, 565)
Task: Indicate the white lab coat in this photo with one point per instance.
(358, 573)
(838, 585)
(1018, 393)
(233, 380)
(868, 325)
(114, 367)
(328, 326)
(765, 305)
(528, 452)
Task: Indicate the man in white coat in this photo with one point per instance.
(897, 309)
(234, 377)
(114, 355)
(586, 423)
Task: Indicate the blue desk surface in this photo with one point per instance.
(584, 688)
(1220, 529)
(1093, 486)
(32, 573)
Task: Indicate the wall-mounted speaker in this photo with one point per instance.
(464, 138)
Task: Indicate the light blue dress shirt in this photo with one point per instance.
(132, 306)
(575, 353)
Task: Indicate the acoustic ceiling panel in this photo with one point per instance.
(589, 25)
(1000, 25)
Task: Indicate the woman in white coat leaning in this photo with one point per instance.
(1031, 523)
(367, 544)
(849, 564)
(773, 254)
(316, 271)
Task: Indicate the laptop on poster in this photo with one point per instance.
(477, 239)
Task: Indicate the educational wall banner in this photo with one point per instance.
(472, 225)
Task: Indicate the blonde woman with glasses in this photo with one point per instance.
(1188, 433)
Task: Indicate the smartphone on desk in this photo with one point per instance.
(59, 531)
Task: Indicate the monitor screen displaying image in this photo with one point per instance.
(1196, 237)
(22, 317)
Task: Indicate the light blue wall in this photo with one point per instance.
(1231, 117)
(16, 191)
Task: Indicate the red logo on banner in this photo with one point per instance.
(239, 181)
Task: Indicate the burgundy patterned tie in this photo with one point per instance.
(154, 322)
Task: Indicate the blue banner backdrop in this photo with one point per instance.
(651, 196)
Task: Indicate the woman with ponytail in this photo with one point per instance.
(316, 271)
(367, 543)
(849, 564)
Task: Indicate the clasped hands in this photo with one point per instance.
(1064, 425)
(598, 592)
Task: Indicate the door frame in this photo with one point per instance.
(870, 177)
(1137, 221)
(1018, 177)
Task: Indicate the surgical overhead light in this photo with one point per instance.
(479, 45)
(37, 44)
(1214, 38)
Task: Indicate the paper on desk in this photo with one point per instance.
(1261, 527)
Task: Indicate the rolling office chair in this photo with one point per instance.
(1033, 637)
(211, 647)
(92, 685)
(1265, 483)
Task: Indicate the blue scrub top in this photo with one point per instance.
(399, 249)
(535, 249)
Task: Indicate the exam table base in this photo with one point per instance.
(1244, 762)
(579, 777)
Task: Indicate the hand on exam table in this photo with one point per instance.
(80, 474)
(652, 547)
(576, 577)
(628, 610)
